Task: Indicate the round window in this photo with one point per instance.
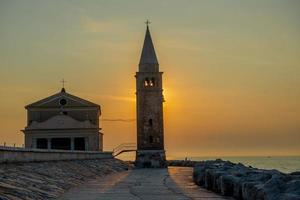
(62, 102)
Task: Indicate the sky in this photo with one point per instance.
(231, 69)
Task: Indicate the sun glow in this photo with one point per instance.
(230, 83)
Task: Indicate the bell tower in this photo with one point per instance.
(149, 103)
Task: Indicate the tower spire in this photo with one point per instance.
(148, 56)
(149, 105)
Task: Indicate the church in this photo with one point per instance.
(65, 122)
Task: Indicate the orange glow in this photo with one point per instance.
(231, 83)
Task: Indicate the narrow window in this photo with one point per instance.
(146, 82)
(152, 82)
(151, 139)
(41, 143)
(150, 122)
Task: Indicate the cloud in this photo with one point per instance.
(118, 120)
(110, 97)
(118, 98)
(95, 26)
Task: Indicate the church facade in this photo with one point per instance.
(149, 105)
(63, 121)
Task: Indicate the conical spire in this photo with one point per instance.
(148, 53)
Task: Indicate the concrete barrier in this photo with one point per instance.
(15, 154)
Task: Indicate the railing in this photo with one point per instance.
(17, 154)
(11, 147)
(122, 148)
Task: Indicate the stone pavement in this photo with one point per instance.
(174, 183)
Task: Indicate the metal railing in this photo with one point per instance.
(122, 148)
(12, 146)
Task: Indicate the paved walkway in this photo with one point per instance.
(174, 183)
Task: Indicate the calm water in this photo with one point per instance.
(282, 163)
(285, 164)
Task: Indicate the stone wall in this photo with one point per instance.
(246, 183)
(10, 155)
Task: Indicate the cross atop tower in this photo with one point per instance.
(63, 85)
(147, 22)
(63, 82)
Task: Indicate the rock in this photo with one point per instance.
(252, 191)
(295, 173)
(247, 183)
(212, 180)
(181, 163)
(227, 184)
(199, 175)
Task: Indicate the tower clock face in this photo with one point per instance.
(62, 102)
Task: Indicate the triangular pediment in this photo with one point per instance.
(54, 101)
(61, 122)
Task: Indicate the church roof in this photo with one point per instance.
(52, 101)
(148, 53)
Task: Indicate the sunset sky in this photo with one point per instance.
(231, 68)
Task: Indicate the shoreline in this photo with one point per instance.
(285, 164)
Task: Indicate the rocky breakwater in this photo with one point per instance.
(48, 180)
(247, 183)
(182, 163)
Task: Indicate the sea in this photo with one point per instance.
(286, 164)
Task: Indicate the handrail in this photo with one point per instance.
(125, 147)
(124, 144)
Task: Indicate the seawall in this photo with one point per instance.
(12, 154)
(50, 179)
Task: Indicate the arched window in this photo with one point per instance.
(150, 122)
(152, 82)
(146, 82)
(149, 82)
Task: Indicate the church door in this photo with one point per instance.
(61, 143)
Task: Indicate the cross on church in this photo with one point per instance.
(147, 22)
(63, 82)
